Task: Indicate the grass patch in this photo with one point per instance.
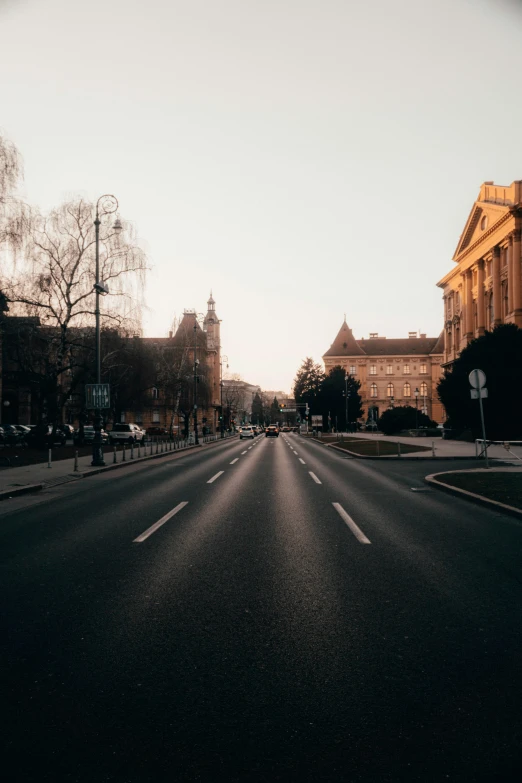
(377, 448)
(503, 486)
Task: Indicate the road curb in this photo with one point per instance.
(6, 494)
(479, 500)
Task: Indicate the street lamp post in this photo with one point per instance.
(392, 400)
(346, 401)
(223, 359)
(416, 393)
(196, 379)
(105, 205)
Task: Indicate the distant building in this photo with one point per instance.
(390, 370)
(484, 289)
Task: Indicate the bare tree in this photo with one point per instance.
(15, 215)
(55, 285)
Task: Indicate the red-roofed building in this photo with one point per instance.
(390, 370)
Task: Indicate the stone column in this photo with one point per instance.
(469, 305)
(516, 286)
(497, 310)
(481, 312)
(509, 251)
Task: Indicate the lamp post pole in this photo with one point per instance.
(109, 204)
(416, 393)
(346, 401)
(196, 439)
(223, 358)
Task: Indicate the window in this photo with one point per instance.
(353, 369)
(155, 393)
(389, 369)
(406, 369)
(155, 417)
(407, 390)
(389, 390)
(423, 369)
(373, 369)
(373, 390)
(484, 223)
(122, 417)
(423, 389)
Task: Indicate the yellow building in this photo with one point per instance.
(391, 370)
(484, 289)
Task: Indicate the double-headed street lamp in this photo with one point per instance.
(223, 359)
(105, 205)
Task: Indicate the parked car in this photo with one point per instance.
(126, 433)
(12, 435)
(156, 431)
(88, 436)
(67, 428)
(43, 436)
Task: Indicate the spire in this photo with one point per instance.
(211, 302)
(345, 343)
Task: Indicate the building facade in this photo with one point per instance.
(484, 289)
(391, 370)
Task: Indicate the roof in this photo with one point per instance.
(408, 346)
(344, 344)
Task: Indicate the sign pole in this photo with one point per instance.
(482, 418)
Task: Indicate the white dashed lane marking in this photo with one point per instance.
(359, 535)
(317, 481)
(234, 460)
(302, 461)
(152, 529)
(215, 477)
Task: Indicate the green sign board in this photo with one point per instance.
(97, 396)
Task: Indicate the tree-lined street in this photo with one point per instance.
(261, 610)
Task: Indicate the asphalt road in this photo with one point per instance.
(293, 617)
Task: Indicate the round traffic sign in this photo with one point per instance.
(477, 378)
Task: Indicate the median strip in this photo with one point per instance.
(159, 523)
(359, 535)
(215, 477)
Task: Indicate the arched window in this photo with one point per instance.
(389, 390)
(373, 390)
(407, 390)
(424, 389)
(155, 393)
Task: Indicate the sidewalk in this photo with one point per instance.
(447, 449)
(14, 481)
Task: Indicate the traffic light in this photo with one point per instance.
(282, 405)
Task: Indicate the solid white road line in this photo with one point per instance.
(317, 481)
(302, 461)
(215, 477)
(234, 460)
(359, 535)
(159, 523)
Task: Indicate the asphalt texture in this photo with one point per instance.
(254, 635)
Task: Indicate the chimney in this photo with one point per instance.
(412, 335)
(170, 335)
(423, 336)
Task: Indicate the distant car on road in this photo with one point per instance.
(272, 431)
(246, 432)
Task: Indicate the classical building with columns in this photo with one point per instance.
(484, 289)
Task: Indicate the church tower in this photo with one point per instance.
(211, 327)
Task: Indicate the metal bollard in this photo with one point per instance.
(398, 449)
(377, 444)
(49, 458)
(157, 446)
(139, 449)
(75, 461)
(114, 457)
(476, 448)
(124, 458)
(433, 448)
(132, 451)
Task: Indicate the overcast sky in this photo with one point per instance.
(301, 158)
